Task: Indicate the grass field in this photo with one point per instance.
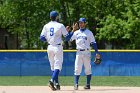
(68, 81)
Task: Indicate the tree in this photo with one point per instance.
(111, 21)
(123, 29)
(27, 17)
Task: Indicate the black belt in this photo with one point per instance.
(82, 49)
(56, 44)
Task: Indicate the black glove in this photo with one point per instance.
(97, 60)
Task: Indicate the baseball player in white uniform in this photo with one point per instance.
(84, 38)
(52, 33)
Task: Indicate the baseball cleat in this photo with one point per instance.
(76, 87)
(87, 87)
(51, 85)
(57, 87)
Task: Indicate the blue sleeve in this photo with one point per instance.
(94, 45)
(68, 36)
(42, 38)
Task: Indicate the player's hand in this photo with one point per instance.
(68, 28)
(75, 27)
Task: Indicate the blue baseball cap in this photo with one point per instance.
(53, 14)
(82, 20)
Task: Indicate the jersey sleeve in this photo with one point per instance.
(93, 42)
(64, 31)
(92, 38)
(44, 32)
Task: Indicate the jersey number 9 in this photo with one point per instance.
(51, 31)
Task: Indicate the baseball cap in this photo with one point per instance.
(53, 14)
(82, 20)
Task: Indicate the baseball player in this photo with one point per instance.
(84, 38)
(52, 33)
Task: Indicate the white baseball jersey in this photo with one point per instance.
(53, 32)
(83, 39)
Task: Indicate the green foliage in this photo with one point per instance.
(26, 17)
(112, 21)
(122, 29)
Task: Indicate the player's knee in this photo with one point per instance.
(58, 68)
(88, 71)
(77, 72)
(52, 68)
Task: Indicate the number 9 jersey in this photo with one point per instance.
(53, 32)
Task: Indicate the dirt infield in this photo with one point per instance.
(67, 89)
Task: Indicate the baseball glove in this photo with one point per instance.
(97, 60)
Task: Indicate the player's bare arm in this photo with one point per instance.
(75, 27)
(70, 33)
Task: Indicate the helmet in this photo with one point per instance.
(53, 14)
(82, 20)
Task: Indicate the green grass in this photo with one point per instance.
(69, 81)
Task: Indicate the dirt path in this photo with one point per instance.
(67, 89)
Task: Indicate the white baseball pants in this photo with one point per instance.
(55, 55)
(83, 58)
